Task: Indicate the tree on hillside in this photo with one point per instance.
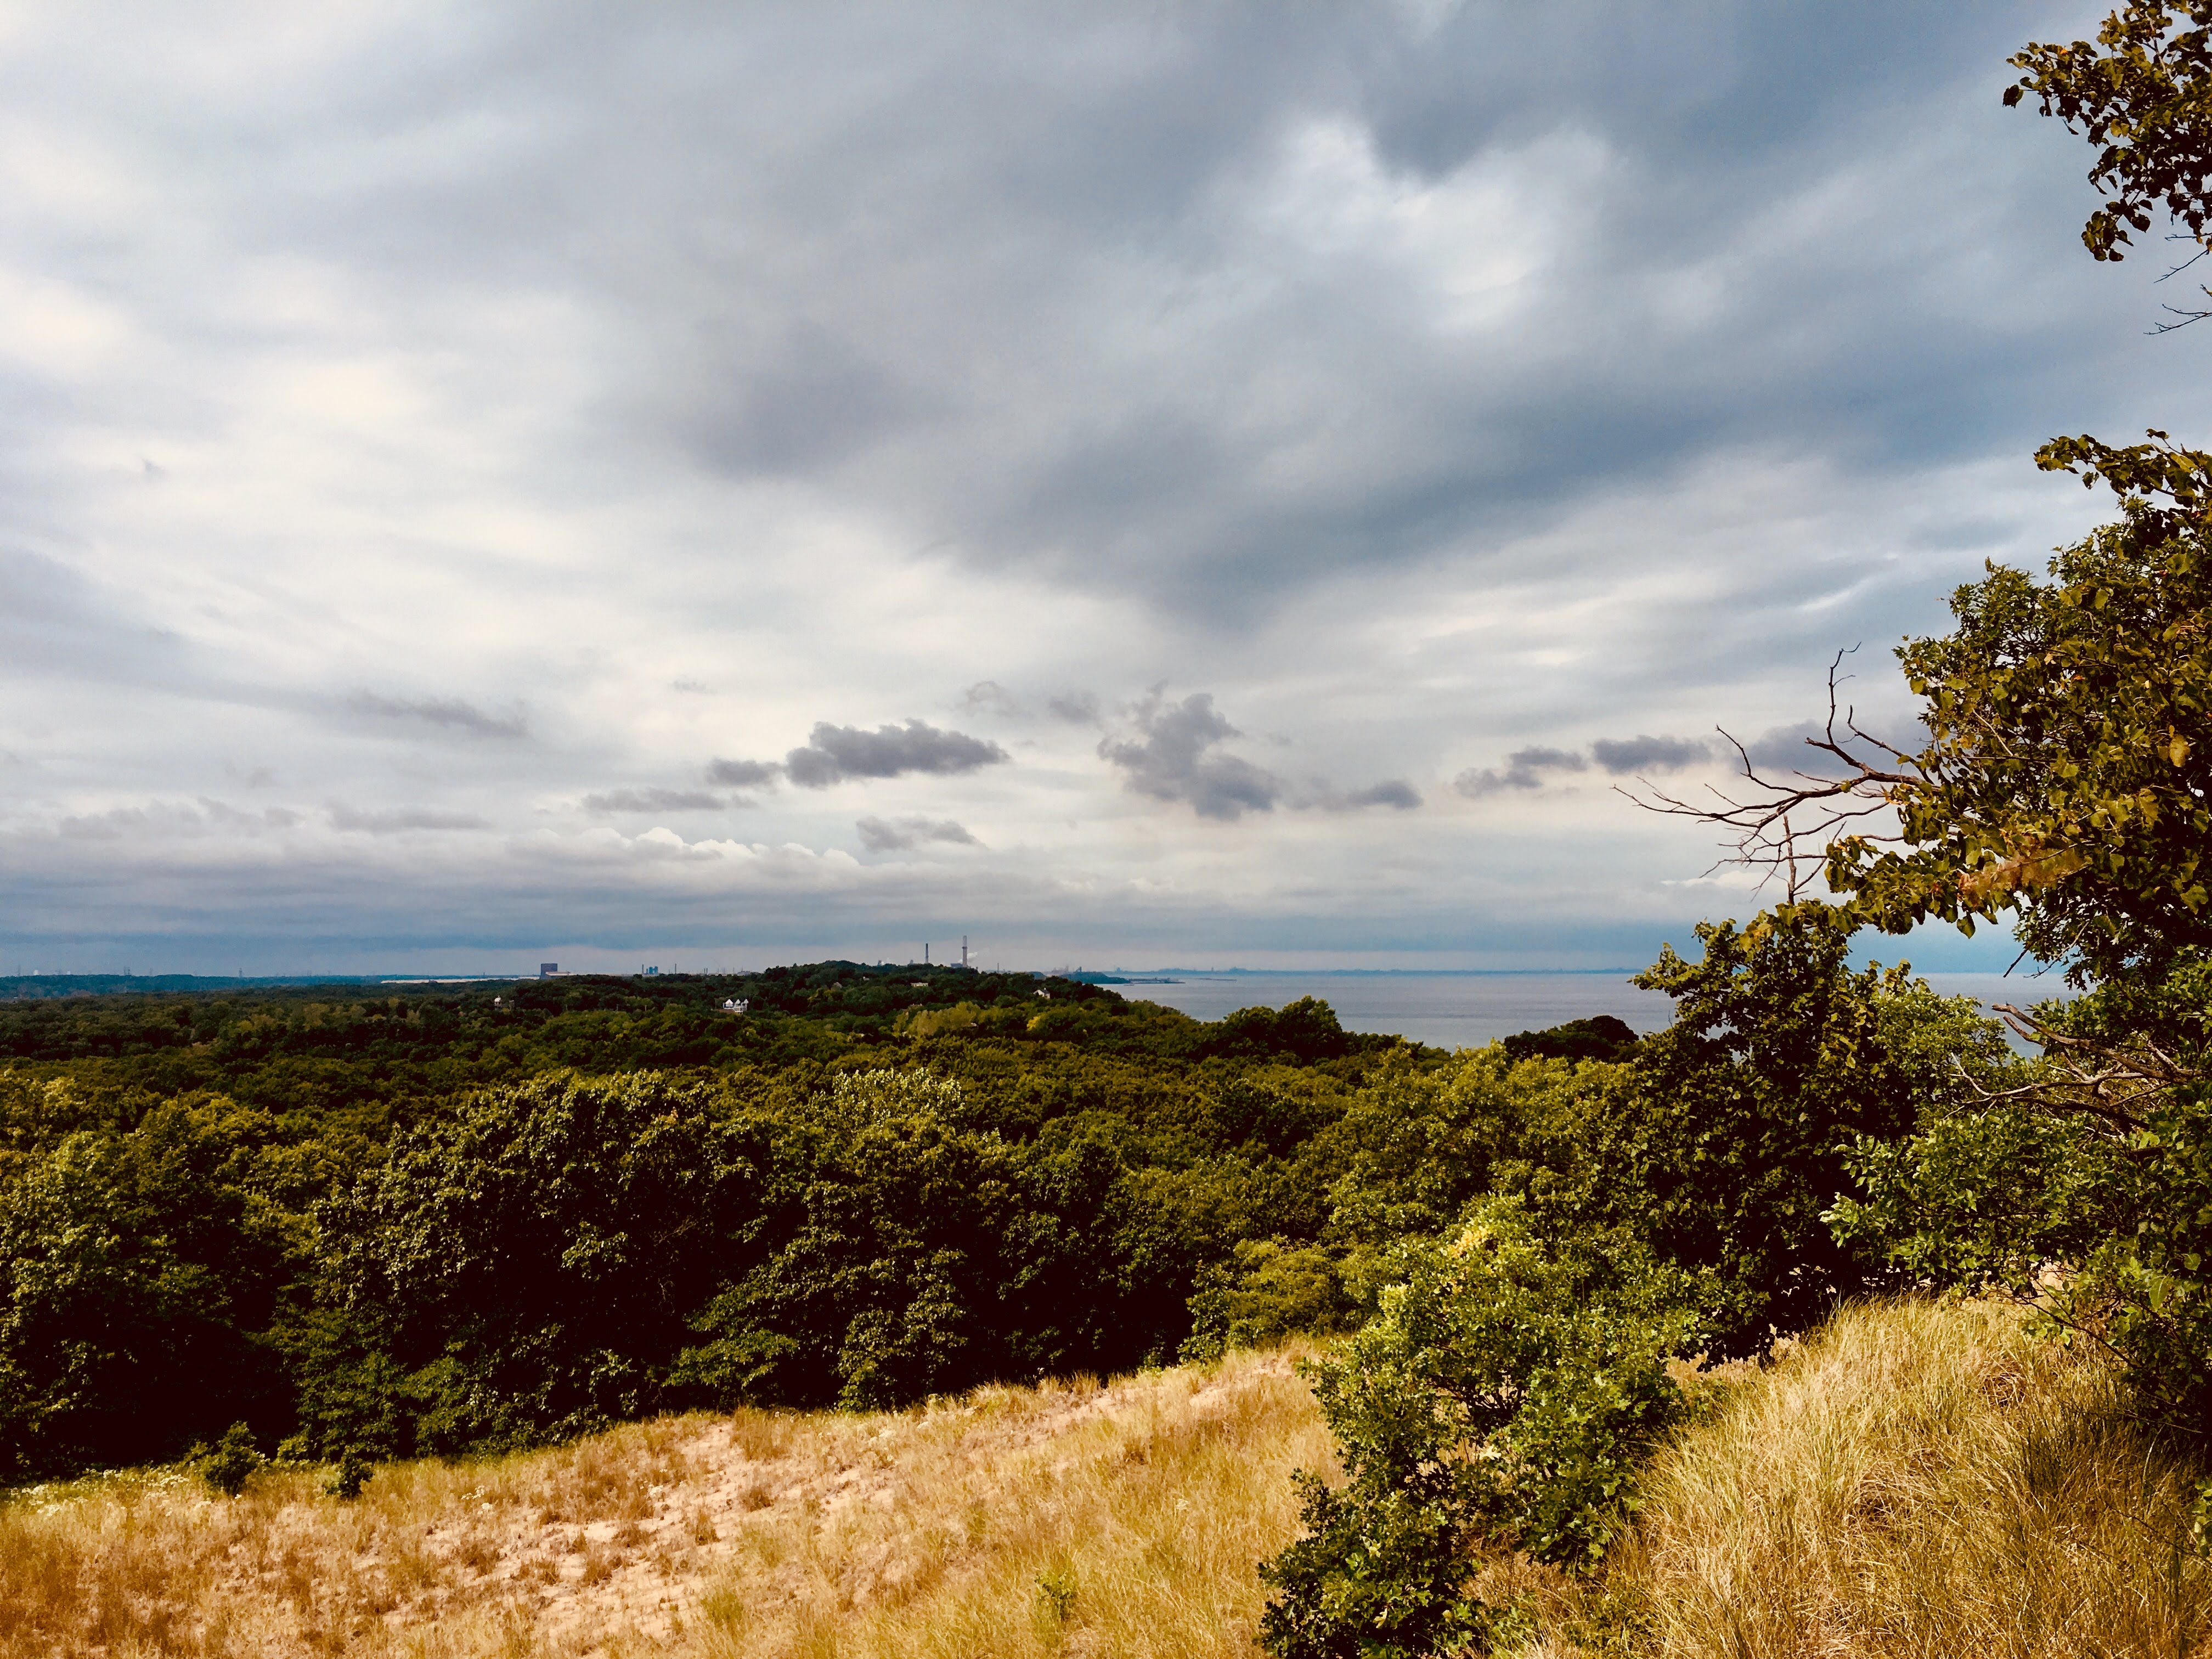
(2142, 92)
(2066, 787)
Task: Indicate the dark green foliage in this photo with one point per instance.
(384, 1257)
(1725, 1146)
(1601, 1036)
(573, 1250)
(1501, 1400)
(354, 1472)
(137, 1272)
(503, 1251)
(1304, 1030)
(227, 1464)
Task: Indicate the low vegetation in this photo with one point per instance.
(1068, 1517)
(1924, 1479)
(1919, 1478)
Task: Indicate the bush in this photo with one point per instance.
(227, 1464)
(353, 1472)
(140, 1273)
(2113, 1181)
(1601, 1036)
(1267, 1291)
(1736, 1134)
(1500, 1400)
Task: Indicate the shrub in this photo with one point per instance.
(353, 1472)
(1500, 1400)
(1735, 1136)
(1267, 1291)
(226, 1465)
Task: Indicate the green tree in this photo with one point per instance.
(143, 1276)
(2141, 94)
(2066, 778)
(1729, 1142)
(1501, 1398)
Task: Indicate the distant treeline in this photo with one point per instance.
(16, 986)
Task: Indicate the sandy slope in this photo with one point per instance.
(746, 1534)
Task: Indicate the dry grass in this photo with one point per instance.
(1925, 1481)
(1067, 1519)
(1915, 1479)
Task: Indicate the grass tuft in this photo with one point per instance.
(1923, 1480)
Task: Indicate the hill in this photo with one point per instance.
(1914, 1479)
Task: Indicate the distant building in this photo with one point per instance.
(547, 970)
(736, 1006)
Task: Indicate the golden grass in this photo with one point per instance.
(1927, 1481)
(1066, 1519)
(1914, 1479)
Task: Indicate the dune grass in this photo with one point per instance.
(1915, 1479)
(1065, 1519)
(1924, 1480)
(1130, 1528)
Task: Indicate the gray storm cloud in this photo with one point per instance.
(1174, 754)
(1524, 769)
(652, 800)
(1648, 754)
(1531, 768)
(1394, 793)
(891, 836)
(834, 753)
(742, 774)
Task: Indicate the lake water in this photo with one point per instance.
(1465, 1011)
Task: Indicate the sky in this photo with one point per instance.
(1125, 484)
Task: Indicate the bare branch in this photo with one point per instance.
(1784, 826)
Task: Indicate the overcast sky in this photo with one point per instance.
(719, 485)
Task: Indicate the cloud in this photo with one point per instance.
(989, 696)
(402, 820)
(742, 774)
(111, 825)
(1499, 381)
(1790, 748)
(268, 817)
(1648, 754)
(1525, 769)
(446, 714)
(884, 835)
(652, 800)
(170, 819)
(834, 753)
(1172, 757)
(1076, 708)
(1392, 792)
